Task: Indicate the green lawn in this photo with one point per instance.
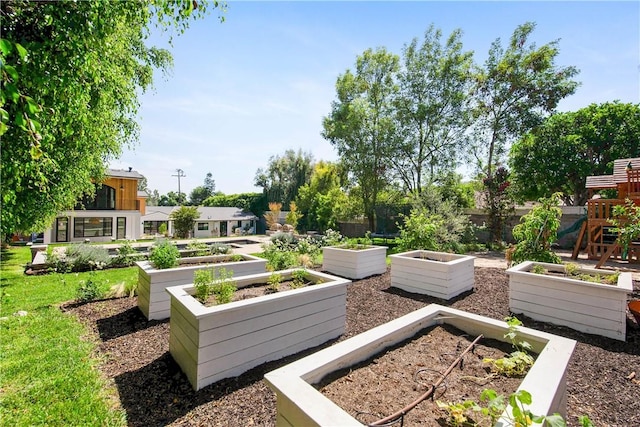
(47, 373)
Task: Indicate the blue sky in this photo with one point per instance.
(261, 82)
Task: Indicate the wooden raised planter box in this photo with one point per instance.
(438, 274)
(588, 307)
(300, 404)
(154, 302)
(354, 263)
(212, 343)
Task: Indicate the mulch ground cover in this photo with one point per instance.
(154, 392)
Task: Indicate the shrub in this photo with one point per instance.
(273, 282)
(183, 219)
(536, 232)
(164, 254)
(162, 229)
(216, 281)
(331, 238)
(418, 231)
(219, 249)
(293, 217)
(79, 257)
(197, 248)
(89, 290)
(126, 255)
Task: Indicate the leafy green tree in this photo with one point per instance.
(433, 107)
(71, 76)
(199, 195)
(361, 124)
(319, 201)
(183, 220)
(500, 204)
(210, 183)
(255, 203)
(462, 194)
(517, 88)
(536, 232)
(558, 155)
(172, 199)
(285, 175)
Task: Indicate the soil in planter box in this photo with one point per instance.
(263, 289)
(260, 289)
(604, 279)
(389, 381)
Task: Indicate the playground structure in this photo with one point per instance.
(601, 239)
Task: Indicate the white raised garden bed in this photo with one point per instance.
(354, 263)
(300, 404)
(212, 343)
(588, 307)
(439, 274)
(154, 302)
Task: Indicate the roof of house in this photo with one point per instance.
(143, 194)
(122, 173)
(161, 213)
(619, 174)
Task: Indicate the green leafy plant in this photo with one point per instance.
(164, 254)
(538, 269)
(197, 248)
(183, 219)
(493, 406)
(536, 232)
(216, 281)
(202, 280)
(517, 363)
(273, 282)
(298, 278)
(219, 249)
(89, 290)
(626, 219)
(162, 229)
(573, 271)
(223, 285)
(78, 257)
(126, 255)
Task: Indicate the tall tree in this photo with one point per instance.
(285, 175)
(172, 199)
(514, 92)
(87, 63)
(517, 88)
(199, 195)
(433, 107)
(319, 201)
(361, 123)
(559, 155)
(210, 183)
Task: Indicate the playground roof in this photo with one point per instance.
(619, 174)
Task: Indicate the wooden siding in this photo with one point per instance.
(153, 300)
(213, 343)
(126, 192)
(584, 306)
(301, 404)
(354, 264)
(443, 276)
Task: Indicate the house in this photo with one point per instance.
(212, 222)
(114, 213)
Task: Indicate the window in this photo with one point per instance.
(105, 199)
(121, 230)
(151, 227)
(92, 227)
(203, 226)
(62, 230)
